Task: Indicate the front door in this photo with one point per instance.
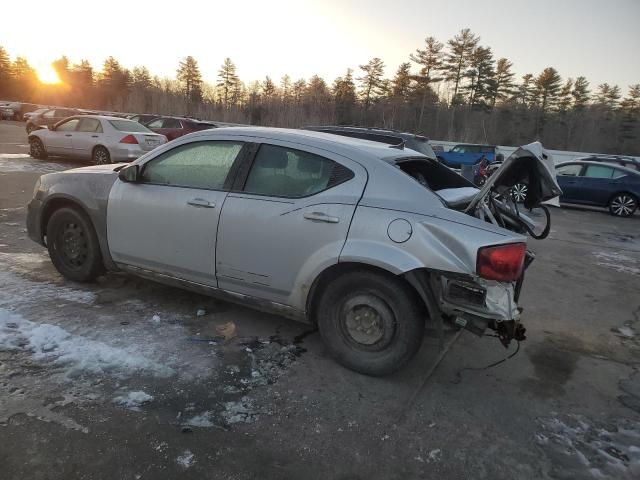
(59, 141)
(568, 177)
(288, 219)
(167, 222)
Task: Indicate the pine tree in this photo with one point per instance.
(480, 74)
(580, 93)
(401, 83)
(227, 81)
(299, 87)
(565, 97)
(191, 80)
(344, 92)
(629, 130)
(430, 61)
(524, 94)
(6, 74)
(503, 85)
(607, 96)
(457, 58)
(268, 88)
(371, 84)
(285, 88)
(62, 67)
(547, 86)
(25, 78)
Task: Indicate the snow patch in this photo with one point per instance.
(133, 400)
(186, 460)
(74, 353)
(239, 412)
(618, 261)
(202, 421)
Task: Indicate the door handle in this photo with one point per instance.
(201, 202)
(94, 136)
(320, 217)
(67, 134)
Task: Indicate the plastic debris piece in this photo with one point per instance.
(201, 312)
(227, 330)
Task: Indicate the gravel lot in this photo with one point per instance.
(120, 379)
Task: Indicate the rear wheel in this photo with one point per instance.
(101, 156)
(623, 205)
(519, 192)
(73, 245)
(36, 148)
(371, 323)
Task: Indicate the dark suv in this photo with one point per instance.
(628, 162)
(391, 137)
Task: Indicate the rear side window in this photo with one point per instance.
(171, 123)
(598, 171)
(285, 172)
(129, 126)
(197, 165)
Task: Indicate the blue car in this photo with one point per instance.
(601, 185)
(466, 154)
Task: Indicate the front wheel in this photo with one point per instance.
(101, 156)
(73, 245)
(370, 323)
(36, 149)
(519, 192)
(623, 205)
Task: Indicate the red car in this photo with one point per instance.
(174, 127)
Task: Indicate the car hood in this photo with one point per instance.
(530, 164)
(109, 168)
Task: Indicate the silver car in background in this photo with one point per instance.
(369, 243)
(101, 139)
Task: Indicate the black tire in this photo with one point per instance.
(623, 204)
(73, 245)
(394, 314)
(101, 156)
(36, 148)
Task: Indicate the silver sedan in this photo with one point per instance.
(101, 139)
(366, 241)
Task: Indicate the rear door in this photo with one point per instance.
(88, 134)
(167, 223)
(286, 219)
(169, 127)
(59, 141)
(598, 184)
(569, 180)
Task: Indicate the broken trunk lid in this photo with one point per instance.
(530, 164)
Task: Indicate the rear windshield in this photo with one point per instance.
(203, 126)
(129, 126)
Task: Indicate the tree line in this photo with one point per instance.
(455, 90)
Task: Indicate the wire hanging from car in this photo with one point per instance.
(458, 375)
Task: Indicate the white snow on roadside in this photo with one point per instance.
(22, 162)
(618, 261)
(186, 459)
(133, 400)
(74, 354)
(586, 449)
(202, 421)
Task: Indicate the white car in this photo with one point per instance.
(99, 138)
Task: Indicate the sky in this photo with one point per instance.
(599, 39)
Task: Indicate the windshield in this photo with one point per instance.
(129, 126)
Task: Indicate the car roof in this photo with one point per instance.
(325, 141)
(358, 129)
(599, 164)
(474, 145)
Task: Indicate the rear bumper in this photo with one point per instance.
(126, 153)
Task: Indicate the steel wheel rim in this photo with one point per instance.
(101, 157)
(519, 192)
(36, 148)
(623, 205)
(367, 322)
(72, 245)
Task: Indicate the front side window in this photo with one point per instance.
(68, 126)
(91, 125)
(458, 149)
(196, 165)
(285, 172)
(569, 170)
(49, 114)
(598, 171)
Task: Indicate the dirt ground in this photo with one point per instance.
(124, 378)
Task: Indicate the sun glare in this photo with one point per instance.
(47, 74)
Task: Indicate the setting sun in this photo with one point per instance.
(48, 75)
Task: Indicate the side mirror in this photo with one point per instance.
(130, 174)
(51, 127)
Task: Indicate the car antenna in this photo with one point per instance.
(399, 146)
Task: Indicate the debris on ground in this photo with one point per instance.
(227, 330)
(155, 319)
(435, 455)
(201, 312)
(239, 412)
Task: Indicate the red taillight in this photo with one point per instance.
(130, 139)
(502, 262)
